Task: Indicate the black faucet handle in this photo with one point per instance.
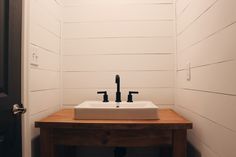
(130, 96)
(102, 92)
(105, 96)
(133, 92)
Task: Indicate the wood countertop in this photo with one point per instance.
(169, 119)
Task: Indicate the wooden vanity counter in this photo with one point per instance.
(61, 129)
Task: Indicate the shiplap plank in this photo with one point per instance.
(118, 62)
(212, 21)
(40, 16)
(192, 12)
(43, 38)
(216, 78)
(219, 139)
(89, 2)
(46, 60)
(181, 5)
(210, 105)
(118, 46)
(206, 34)
(42, 100)
(51, 7)
(43, 79)
(35, 132)
(111, 12)
(129, 79)
(220, 47)
(204, 150)
(118, 29)
(162, 96)
(45, 32)
(134, 37)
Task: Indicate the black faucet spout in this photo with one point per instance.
(118, 83)
(118, 93)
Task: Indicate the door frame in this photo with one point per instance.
(26, 127)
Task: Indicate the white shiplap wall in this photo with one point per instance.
(44, 80)
(133, 38)
(206, 33)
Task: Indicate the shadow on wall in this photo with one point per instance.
(35, 147)
(192, 152)
(62, 151)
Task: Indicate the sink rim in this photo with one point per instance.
(114, 105)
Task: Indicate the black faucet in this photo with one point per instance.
(118, 94)
(105, 96)
(130, 96)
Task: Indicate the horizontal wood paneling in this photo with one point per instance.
(217, 48)
(192, 12)
(200, 146)
(111, 12)
(122, 29)
(162, 96)
(217, 138)
(45, 20)
(43, 88)
(51, 7)
(181, 6)
(118, 62)
(130, 79)
(35, 132)
(81, 2)
(133, 38)
(43, 38)
(217, 78)
(43, 79)
(210, 105)
(43, 100)
(206, 39)
(46, 60)
(212, 21)
(119, 45)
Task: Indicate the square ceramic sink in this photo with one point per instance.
(139, 110)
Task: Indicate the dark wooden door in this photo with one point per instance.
(10, 78)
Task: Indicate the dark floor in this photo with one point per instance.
(109, 152)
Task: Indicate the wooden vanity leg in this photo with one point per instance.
(179, 143)
(46, 143)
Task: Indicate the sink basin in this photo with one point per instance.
(99, 110)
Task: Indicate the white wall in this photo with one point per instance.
(44, 91)
(133, 38)
(136, 39)
(206, 31)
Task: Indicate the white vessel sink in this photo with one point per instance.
(111, 110)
